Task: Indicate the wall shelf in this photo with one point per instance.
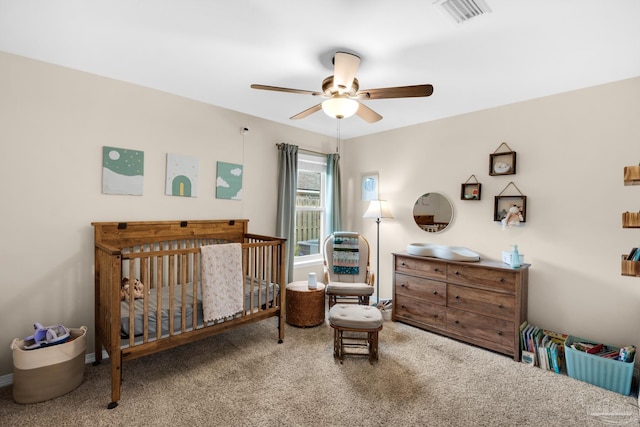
(630, 219)
(630, 268)
(632, 175)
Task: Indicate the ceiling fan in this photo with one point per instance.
(342, 92)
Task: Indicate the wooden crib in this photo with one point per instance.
(165, 257)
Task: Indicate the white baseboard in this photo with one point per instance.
(6, 380)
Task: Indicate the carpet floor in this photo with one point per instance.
(244, 377)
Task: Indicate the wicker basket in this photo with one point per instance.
(48, 372)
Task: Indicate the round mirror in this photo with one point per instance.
(433, 212)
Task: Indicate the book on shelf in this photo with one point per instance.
(555, 360)
(542, 347)
(544, 352)
(543, 357)
(632, 253)
(558, 338)
(522, 326)
(528, 358)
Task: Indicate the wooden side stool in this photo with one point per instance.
(355, 326)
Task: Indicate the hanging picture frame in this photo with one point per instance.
(471, 190)
(502, 162)
(503, 203)
(370, 186)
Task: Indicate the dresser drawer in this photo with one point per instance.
(421, 267)
(413, 309)
(504, 280)
(493, 304)
(423, 289)
(480, 327)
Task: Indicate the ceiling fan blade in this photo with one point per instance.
(307, 112)
(367, 113)
(396, 92)
(345, 66)
(284, 89)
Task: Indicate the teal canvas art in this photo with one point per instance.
(229, 181)
(122, 171)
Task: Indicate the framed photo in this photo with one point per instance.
(370, 187)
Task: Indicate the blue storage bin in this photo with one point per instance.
(611, 374)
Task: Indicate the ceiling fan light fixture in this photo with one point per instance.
(340, 108)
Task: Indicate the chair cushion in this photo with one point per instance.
(349, 289)
(355, 316)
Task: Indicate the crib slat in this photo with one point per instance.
(172, 260)
(158, 286)
(183, 298)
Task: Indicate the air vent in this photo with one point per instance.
(463, 10)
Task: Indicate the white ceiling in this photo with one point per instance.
(212, 51)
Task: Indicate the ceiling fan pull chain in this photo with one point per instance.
(338, 136)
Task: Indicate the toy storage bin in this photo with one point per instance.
(611, 374)
(48, 372)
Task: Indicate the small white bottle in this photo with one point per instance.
(515, 257)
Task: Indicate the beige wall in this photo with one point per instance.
(53, 125)
(571, 152)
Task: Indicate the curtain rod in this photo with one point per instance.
(305, 150)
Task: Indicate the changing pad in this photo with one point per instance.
(452, 253)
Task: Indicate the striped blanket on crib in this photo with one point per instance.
(346, 255)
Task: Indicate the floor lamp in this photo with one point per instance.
(378, 209)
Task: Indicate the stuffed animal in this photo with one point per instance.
(512, 218)
(125, 289)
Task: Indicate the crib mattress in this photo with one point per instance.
(262, 293)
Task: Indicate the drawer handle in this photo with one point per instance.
(457, 273)
(436, 269)
(435, 292)
(499, 332)
(403, 264)
(501, 280)
(456, 322)
(402, 285)
(457, 297)
(500, 306)
(435, 316)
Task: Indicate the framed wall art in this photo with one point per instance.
(122, 171)
(370, 186)
(182, 176)
(229, 181)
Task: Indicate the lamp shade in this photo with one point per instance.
(339, 107)
(378, 209)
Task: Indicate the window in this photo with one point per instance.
(310, 207)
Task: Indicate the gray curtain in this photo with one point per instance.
(334, 194)
(287, 188)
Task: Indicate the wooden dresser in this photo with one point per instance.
(482, 303)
